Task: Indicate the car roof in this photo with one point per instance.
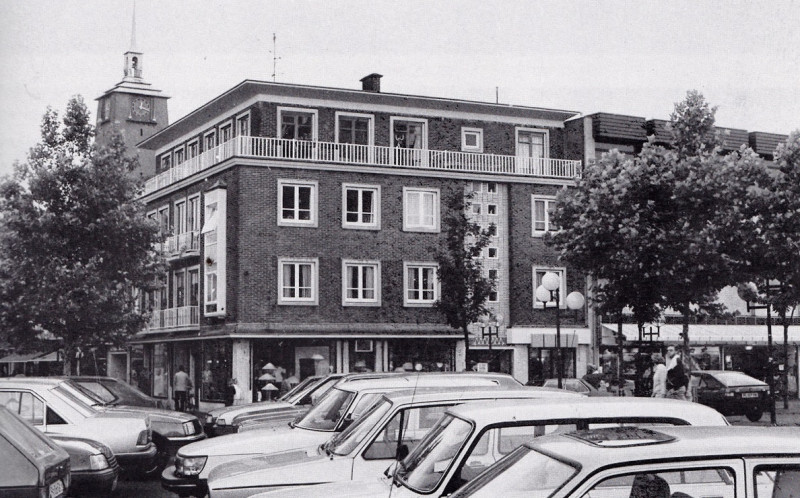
(427, 394)
(582, 407)
(624, 445)
(431, 379)
(28, 381)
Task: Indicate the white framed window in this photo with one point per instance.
(538, 273)
(476, 208)
(297, 123)
(180, 217)
(192, 149)
(193, 214)
(355, 128)
(472, 139)
(179, 288)
(420, 284)
(409, 133)
(533, 143)
(297, 203)
(420, 209)
(243, 124)
(298, 281)
(209, 140)
(166, 161)
(361, 283)
(541, 209)
(491, 209)
(180, 155)
(361, 206)
(214, 233)
(225, 131)
(493, 294)
(491, 252)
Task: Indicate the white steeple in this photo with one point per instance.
(133, 57)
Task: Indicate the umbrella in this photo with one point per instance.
(269, 387)
(268, 366)
(267, 376)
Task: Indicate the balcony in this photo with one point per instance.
(365, 155)
(182, 245)
(183, 317)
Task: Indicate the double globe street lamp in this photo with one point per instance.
(549, 291)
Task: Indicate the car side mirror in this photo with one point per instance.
(402, 452)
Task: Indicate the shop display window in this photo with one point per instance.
(161, 370)
(216, 370)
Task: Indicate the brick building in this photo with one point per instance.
(301, 223)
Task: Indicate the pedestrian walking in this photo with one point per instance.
(677, 380)
(659, 377)
(181, 385)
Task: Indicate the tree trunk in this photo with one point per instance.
(686, 357)
(621, 357)
(69, 354)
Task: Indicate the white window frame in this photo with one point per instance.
(476, 207)
(176, 151)
(196, 225)
(183, 273)
(478, 132)
(299, 301)
(239, 118)
(168, 157)
(496, 284)
(547, 199)
(489, 252)
(196, 143)
(287, 182)
(420, 303)
(347, 301)
(491, 187)
(226, 124)
(303, 110)
(179, 217)
(213, 134)
(407, 227)
(491, 207)
(424, 123)
(560, 271)
(370, 126)
(545, 141)
(376, 204)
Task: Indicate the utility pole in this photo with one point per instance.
(275, 57)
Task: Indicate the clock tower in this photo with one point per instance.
(132, 107)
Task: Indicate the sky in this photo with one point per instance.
(628, 57)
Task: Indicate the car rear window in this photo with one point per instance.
(25, 436)
(736, 379)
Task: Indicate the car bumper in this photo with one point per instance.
(141, 460)
(94, 482)
(183, 486)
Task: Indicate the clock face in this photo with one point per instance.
(140, 108)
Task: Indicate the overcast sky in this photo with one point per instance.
(632, 57)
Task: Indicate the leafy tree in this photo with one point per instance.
(75, 241)
(464, 288)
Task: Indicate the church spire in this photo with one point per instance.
(133, 30)
(133, 57)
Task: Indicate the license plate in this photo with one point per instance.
(57, 489)
(749, 395)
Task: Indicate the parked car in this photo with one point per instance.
(341, 406)
(266, 414)
(731, 392)
(471, 437)
(31, 464)
(59, 406)
(93, 468)
(171, 429)
(741, 462)
(576, 385)
(365, 448)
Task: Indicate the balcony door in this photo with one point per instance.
(355, 130)
(532, 147)
(409, 139)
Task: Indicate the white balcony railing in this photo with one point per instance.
(368, 155)
(171, 318)
(186, 243)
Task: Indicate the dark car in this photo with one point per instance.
(93, 467)
(31, 464)
(117, 392)
(731, 393)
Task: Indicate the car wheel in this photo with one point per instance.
(754, 415)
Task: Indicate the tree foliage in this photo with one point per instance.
(464, 288)
(75, 242)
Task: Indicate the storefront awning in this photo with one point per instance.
(22, 358)
(545, 337)
(701, 334)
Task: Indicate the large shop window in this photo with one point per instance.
(140, 369)
(420, 209)
(421, 284)
(160, 370)
(421, 355)
(543, 364)
(297, 203)
(298, 281)
(216, 370)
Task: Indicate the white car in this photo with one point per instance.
(365, 448)
(725, 462)
(341, 406)
(471, 437)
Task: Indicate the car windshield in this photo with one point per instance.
(27, 438)
(347, 440)
(736, 379)
(325, 416)
(317, 391)
(299, 390)
(87, 395)
(524, 472)
(424, 467)
(75, 399)
(98, 389)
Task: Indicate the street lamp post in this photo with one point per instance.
(550, 291)
(490, 327)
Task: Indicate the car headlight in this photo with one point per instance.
(210, 419)
(144, 438)
(221, 421)
(189, 466)
(730, 394)
(98, 462)
(188, 428)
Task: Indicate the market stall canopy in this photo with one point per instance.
(700, 334)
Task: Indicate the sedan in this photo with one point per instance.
(731, 392)
(93, 467)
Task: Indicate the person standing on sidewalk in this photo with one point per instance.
(676, 376)
(181, 385)
(659, 377)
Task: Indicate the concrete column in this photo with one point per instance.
(461, 356)
(380, 365)
(344, 356)
(519, 363)
(242, 366)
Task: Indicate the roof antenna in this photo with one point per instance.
(275, 58)
(497, 95)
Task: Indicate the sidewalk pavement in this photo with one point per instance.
(783, 416)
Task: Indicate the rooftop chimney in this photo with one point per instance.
(371, 83)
